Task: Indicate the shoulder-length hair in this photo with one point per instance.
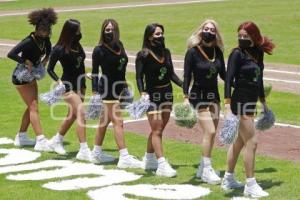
(67, 34)
(260, 41)
(116, 32)
(196, 37)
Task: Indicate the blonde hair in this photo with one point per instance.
(196, 37)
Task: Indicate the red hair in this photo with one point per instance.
(253, 31)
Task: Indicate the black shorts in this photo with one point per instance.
(14, 79)
(160, 97)
(243, 101)
(73, 85)
(112, 92)
(202, 98)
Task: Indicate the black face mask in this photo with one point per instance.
(108, 37)
(77, 38)
(41, 38)
(159, 41)
(244, 43)
(208, 37)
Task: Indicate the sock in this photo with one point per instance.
(206, 161)
(123, 152)
(161, 160)
(40, 137)
(83, 146)
(97, 149)
(228, 175)
(150, 155)
(250, 181)
(22, 134)
(59, 137)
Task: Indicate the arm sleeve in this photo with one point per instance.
(187, 75)
(48, 47)
(174, 76)
(14, 53)
(233, 64)
(261, 81)
(96, 57)
(54, 57)
(222, 72)
(139, 68)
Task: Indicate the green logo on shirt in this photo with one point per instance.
(257, 74)
(79, 60)
(212, 71)
(122, 63)
(163, 72)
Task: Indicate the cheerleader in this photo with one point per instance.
(110, 55)
(35, 50)
(69, 52)
(245, 74)
(154, 63)
(204, 61)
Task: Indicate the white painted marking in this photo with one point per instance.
(17, 156)
(116, 7)
(6, 141)
(162, 191)
(281, 80)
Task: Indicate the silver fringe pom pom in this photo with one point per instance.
(54, 95)
(138, 108)
(126, 98)
(23, 75)
(266, 121)
(185, 116)
(39, 72)
(229, 130)
(95, 107)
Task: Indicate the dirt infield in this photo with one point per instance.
(278, 142)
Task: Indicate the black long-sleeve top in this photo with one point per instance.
(30, 49)
(204, 72)
(72, 63)
(155, 73)
(245, 69)
(113, 66)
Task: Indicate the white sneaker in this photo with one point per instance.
(208, 175)
(57, 146)
(129, 162)
(149, 163)
(101, 157)
(84, 155)
(166, 170)
(23, 140)
(255, 191)
(230, 183)
(42, 145)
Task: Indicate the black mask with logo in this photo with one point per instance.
(208, 37)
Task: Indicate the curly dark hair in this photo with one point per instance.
(43, 19)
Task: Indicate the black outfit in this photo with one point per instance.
(31, 49)
(113, 61)
(205, 73)
(157, 75)
(245, 74)
(72, 63)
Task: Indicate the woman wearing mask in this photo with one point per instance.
(154, 64)
(35, 50)
(245, 73)
(204, 61)
(69, 52)
(110, 55)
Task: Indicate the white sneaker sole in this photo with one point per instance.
(166, 175)
(254, 196)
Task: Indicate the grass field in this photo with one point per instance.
(279, 21)
(278, 177)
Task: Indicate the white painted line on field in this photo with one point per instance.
(281, 80)
(117, 7)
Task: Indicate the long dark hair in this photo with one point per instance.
(150, 29)
(259, 40)
(67, 34)
(116, 32)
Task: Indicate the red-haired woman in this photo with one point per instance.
(245, 73)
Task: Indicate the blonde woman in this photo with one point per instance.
(204, 62)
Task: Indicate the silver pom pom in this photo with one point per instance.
(126, 98)
(95, 107)
(138, 108)
(38, 72)
(229, 130)
(185, 116)
(22, 74)
(266, 120)
(54, 95)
